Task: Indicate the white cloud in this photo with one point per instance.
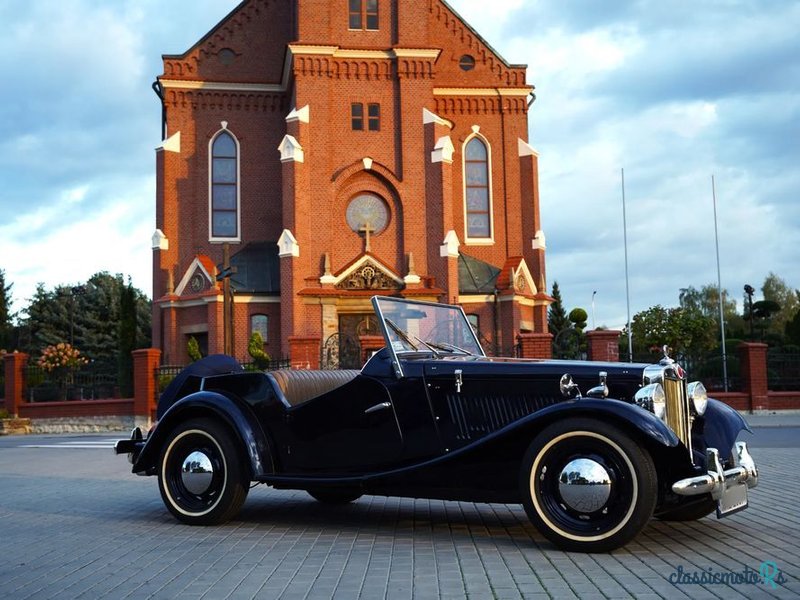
(114, 237)
(672, 93)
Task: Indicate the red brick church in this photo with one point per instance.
(334, 150)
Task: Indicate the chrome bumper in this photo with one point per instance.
(728, 488)
(132, 446)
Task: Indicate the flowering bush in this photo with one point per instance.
(61, 356)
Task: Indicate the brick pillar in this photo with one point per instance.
(536, 345)
(603, 345)
(14, 363)
(304, 352)
(145, 384)
(753, 360)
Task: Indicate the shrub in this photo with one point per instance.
(193, 348)
(61, 356)
(255, 348)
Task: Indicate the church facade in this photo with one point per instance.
(319, 152)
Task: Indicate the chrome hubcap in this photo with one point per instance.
(584, 485)
(197, 472)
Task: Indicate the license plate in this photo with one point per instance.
(733, 500)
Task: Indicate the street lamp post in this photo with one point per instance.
(749, 290)
(594, 293)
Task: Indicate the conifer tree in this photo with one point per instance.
(127, 338)
(557, 319)
(6, 316)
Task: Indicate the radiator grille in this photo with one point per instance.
(476, 416)
(678, 410)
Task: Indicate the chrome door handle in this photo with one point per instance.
(377, 407)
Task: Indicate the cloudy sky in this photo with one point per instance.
(673, 92)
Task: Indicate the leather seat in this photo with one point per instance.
(297, 386)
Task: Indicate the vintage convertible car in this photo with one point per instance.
(430, 415)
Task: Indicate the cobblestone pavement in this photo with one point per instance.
(74, 523)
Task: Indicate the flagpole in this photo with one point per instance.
(627, 286)
(719, 291)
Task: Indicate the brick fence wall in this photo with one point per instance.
(141, 408)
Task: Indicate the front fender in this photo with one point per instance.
(722, 426)
(643, 421)
(237, 416)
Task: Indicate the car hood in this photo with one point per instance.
(623, 379)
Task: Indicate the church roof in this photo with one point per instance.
(257, 269)
(476, 276)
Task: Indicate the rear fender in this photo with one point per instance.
(239, 419)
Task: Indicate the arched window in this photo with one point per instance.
(224, 200)
(477, 190)
(260, 323)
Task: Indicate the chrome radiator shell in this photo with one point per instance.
(678, 417)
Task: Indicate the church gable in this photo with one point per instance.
(248, 45)
(516, 276)
(467, 59)
(367, 273)
(198, 278)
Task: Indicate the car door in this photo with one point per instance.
(351, 429)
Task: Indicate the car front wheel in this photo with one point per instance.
(587, 486)
(201, 478)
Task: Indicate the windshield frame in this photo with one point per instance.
(401, 342)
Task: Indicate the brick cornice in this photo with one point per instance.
(353, 63)
(229, 100)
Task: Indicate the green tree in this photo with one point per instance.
(47, 322)
(6, 316)
(87, 316)
(793, 329)
(557, 319)
(578, 317)
(687, 332)
(706, 301)
(127, 338)
(778, 291)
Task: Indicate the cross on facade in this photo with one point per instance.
(227, 299)
(366, 229)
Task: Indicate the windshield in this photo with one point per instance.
(412, 326)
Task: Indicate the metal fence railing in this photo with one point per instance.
(711, 371)
(166, 373)
(707, 368)
(69, 384)
(783, 371)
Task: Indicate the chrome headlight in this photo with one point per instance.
(698, 397)
(652, 398)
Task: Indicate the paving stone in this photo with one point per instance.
(77, 524)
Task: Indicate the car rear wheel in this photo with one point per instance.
(334, 496)
(201, 477)
(587, 486)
